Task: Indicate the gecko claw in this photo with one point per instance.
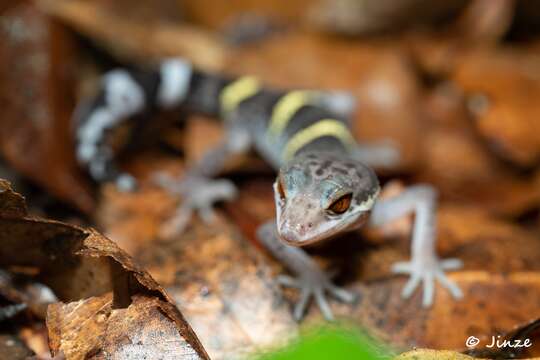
(314, 286)
(199, 195)
(427, 272)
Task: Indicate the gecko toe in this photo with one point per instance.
(198, 194)
(301, 305)
(315, 284)
(451, 264)
(177, 224)
(452, 287)
(410, 286)
(287, 281)
(342, 294)
(320, 299)
(429, 289)
(207, 214)
(402, 267)
(428, 272)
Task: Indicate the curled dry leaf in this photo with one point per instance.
(219, 281)
(470, 173)
(81, 266)
(505, 108)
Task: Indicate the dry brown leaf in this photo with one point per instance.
(78, 264)
(36, 100)
(426, 354)
(92, 328)
(462, 167)
(217, 14)
(505, 107)
(220, 282)
(128, 38)
(355, 17)
(485, 22)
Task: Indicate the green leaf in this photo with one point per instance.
(336, 343)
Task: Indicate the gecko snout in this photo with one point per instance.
(290, 237)
(294, 233)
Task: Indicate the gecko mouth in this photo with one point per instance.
(294, 238)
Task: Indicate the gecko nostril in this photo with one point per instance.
(310, 225)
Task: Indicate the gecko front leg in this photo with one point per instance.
(311, 280)
(424, 266)
(199, 191)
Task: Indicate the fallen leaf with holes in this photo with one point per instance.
(220, 281)
(81, 266)
(93, 327)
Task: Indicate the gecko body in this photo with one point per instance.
(325, 184)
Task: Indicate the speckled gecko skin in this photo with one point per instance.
(325, 185)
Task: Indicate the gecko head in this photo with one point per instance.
(319, 195)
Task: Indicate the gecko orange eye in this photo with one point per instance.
(280, 189)
(341, 205)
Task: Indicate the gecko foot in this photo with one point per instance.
(314, 284)
(427, 271)
(199, 195)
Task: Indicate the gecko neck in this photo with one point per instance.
(325, 147)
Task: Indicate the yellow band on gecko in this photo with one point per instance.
(325, 127)
(237, 91)
(285, 109)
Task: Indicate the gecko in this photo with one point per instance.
(325, 184)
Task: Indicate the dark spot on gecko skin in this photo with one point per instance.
(340, 170)
(319, 172)
(326, 164)
(359, 174)
(363, 195)
(312, 156)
